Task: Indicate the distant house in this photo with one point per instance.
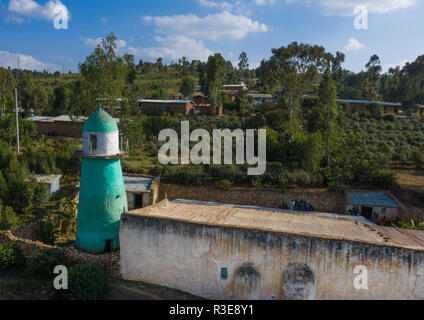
(235, 87)
(52, 181)
(373, 206)
(253, 81)
(157, 107)
(184, 107)
(142, 191)
(230, 95)
(199, 98)
(259, 98)
(206, 110)
(360, 106)
(62, 126)
(178, 96)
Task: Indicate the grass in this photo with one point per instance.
(411, 179)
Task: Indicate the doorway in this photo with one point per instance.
(108, 246)
(367, 212)
(138, 201)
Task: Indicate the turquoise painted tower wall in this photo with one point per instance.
(102, 198)
(102, 201)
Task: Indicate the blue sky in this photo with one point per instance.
(197, 28)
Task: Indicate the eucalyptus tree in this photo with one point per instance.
(104, 71)
(295, 70)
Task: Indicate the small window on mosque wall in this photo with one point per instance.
(93, 143)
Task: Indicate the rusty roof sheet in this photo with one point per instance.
(321, 225)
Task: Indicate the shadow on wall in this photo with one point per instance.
(246, 282)
(298, 282)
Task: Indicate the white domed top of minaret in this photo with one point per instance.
(100, 135)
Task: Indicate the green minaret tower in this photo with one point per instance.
(102, 197)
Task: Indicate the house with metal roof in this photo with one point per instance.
(226, 251)
(60, 126)
(52, 182)
(374, 206)
(142, 191)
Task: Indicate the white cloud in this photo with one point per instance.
(346, 7)
(31, 9)
(89, 42)
(8, 59)
(224, 5)
(211, 27)
(103, 20)
(172, 48)
(264, 2)
(400, 64)
(353, 45)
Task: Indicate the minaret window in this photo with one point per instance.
(93, 143)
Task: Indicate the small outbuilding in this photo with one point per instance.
(142, 191)
(52, 181)
(373, 206)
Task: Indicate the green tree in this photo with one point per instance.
(326, 116)
(25, 90)
(39, 99)
(215, 73)
(7, 86)
(373, 77)
(294, 70)
(243, 63)
(105, 71)
(188, 86)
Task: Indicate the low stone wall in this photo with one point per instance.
(323, 201)
(108, 262)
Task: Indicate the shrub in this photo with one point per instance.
(86, 282)
(11, 257)
(187, 175)
(44, 263)
(418, 158)
(8, 218)
(389, 117)
(224, 184)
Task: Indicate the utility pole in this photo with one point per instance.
(17, 121)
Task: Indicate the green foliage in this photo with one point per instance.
(18, 188)
(86, 282)
(224, 184)
(44, 263)
(375, 110)
(11, 257)
(410, 226)
(60, 221)
(104, 71)
(186, 175)
(188, 86)
(390, 117)
(8, 218)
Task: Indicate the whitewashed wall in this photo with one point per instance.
(189, 257)
(107, 143)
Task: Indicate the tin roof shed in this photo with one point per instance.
(371, 199)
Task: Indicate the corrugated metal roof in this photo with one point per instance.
(137, 184)
(47, 178)
(164, 101)
(371, 199)
(321, 225)
(395, 104)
